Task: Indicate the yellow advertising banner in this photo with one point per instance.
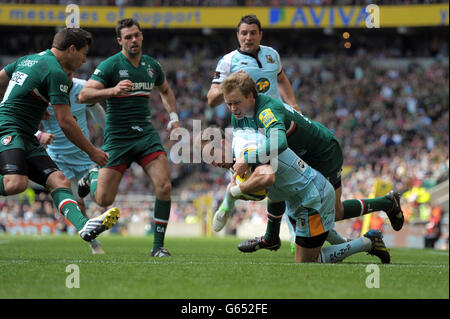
(228, 17)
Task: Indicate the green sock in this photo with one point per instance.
(275, 212)
(93, 178)
(162, 214)
(2, 186)
(358, 207)
(67, 205)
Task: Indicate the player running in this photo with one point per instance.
(72, 161)
(317, 145)
(28, 85)
(309, 199)
(125, 80)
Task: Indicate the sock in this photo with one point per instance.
(67, 205)
(337, 253)
(228, 201)
(334, 238)
(275, 212)
(93, 178)
(2, 186)
(356, 207)
(162, 214)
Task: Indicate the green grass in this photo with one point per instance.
(35, 267)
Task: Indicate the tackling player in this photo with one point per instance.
(125, 80)
(34, 81)
(316, 144)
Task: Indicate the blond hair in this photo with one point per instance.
(241, 81)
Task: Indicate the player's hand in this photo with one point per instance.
(240, 167)
(99, 157)
(46, 138)
(173, 122)
(124, 87)
(233, 183)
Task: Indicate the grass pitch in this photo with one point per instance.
(201, 268)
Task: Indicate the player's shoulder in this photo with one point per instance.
(113, 59)
(266, 48)
(150, 60)
(227, 58)
(78, 84)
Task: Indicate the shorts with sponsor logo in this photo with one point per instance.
(126, 151)
(316, 213)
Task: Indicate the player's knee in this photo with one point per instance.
(163, 190)
(15, 184)
(104, 200)
(57, 180)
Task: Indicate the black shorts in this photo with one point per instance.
(311, 242)
(37, 168)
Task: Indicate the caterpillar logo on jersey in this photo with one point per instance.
(270, 59)
(266, 117)
(6, 140)
(262, 85)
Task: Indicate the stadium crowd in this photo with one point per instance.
(391, 118)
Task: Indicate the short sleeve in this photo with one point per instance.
(222, 70)
(9, 69)
(101, 73)
(58, 87)
(160, 76)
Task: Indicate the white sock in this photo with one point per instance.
(337, 253)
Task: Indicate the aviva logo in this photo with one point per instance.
(318, 16)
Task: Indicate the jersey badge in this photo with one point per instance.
(267, 117)
(216, 75)
(6, 140)
(150, 71)
(270, 59)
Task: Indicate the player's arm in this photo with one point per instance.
(262, 177)
(275, 144)
(94, 91)
(73, 132)
(286, 92)
(215, 96)
(4, 80)
(170, 104)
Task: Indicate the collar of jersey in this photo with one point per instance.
(251, 55)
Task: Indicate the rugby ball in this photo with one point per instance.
(255, 196)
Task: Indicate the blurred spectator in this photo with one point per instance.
(433, 227)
